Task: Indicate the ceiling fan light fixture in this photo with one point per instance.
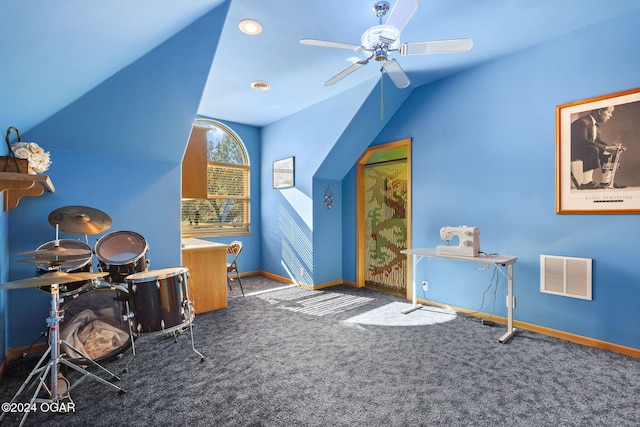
(372, 37)
(260, 85)
(379, 41)
(250, 26)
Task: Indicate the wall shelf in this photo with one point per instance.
(19, 185)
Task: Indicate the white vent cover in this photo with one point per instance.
(566, 276)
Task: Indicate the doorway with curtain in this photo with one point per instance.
(384, 216)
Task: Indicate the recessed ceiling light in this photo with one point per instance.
(250, 26)
(259, 85)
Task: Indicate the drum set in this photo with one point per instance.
(106, 310)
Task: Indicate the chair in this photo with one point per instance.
(234, 249)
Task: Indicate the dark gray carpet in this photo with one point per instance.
(288, 358)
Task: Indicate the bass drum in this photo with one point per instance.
(122, 253)
(94, 323)
(77, 266)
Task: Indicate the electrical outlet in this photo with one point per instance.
(425, 285)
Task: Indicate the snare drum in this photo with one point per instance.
(76, 266)
(94, 323)
(122, 253)
(160, 300)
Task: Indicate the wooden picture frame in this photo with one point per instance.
(598, 155)
(284, 173)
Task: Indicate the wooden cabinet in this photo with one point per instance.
(207, 264)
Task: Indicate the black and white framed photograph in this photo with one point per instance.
(284, 173)
(598, 154)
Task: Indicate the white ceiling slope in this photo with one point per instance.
(53, 52)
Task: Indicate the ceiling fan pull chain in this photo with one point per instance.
(382, 94)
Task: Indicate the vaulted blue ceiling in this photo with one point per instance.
(51, 53)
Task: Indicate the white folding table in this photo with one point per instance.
(498, 260)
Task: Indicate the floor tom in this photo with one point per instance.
(160, 300)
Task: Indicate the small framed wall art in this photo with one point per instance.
(284, 173)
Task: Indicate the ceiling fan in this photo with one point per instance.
(380, 40)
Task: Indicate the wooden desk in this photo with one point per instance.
(498, 260)
(207, 264)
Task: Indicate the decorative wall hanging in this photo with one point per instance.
(328, 197)
(598, 154)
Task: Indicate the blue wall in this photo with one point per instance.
(287, 214)
(128, 190)
(484, 154)
(4, 277)
(299, 233)
(99, 162)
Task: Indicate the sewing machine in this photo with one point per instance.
(468, 241)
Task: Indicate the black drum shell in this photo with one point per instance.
(159, 299)
(117, 273)
(121, 253)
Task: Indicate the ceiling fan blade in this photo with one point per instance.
(337, 45)
(344, 73)
(399, 17)
(396, 73)
(436, 46)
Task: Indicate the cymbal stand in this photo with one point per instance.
(57, 241)
(128, 316)
(52, 367)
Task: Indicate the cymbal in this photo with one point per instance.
(80, 220)
(55, 277)
(47, 262)
(58, 252)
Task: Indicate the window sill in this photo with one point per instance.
(211, 233)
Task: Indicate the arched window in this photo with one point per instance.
(215, 182)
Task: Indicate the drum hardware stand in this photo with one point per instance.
(188, 306)
(51, 368)
(128, 318)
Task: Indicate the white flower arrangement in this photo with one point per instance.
(39, 160)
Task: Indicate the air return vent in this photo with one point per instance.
(566, 276)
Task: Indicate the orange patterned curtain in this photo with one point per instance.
(386, 224)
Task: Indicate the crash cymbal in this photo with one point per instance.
(55, 277)
(45, 262)
(80, 220)
(58, 252)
